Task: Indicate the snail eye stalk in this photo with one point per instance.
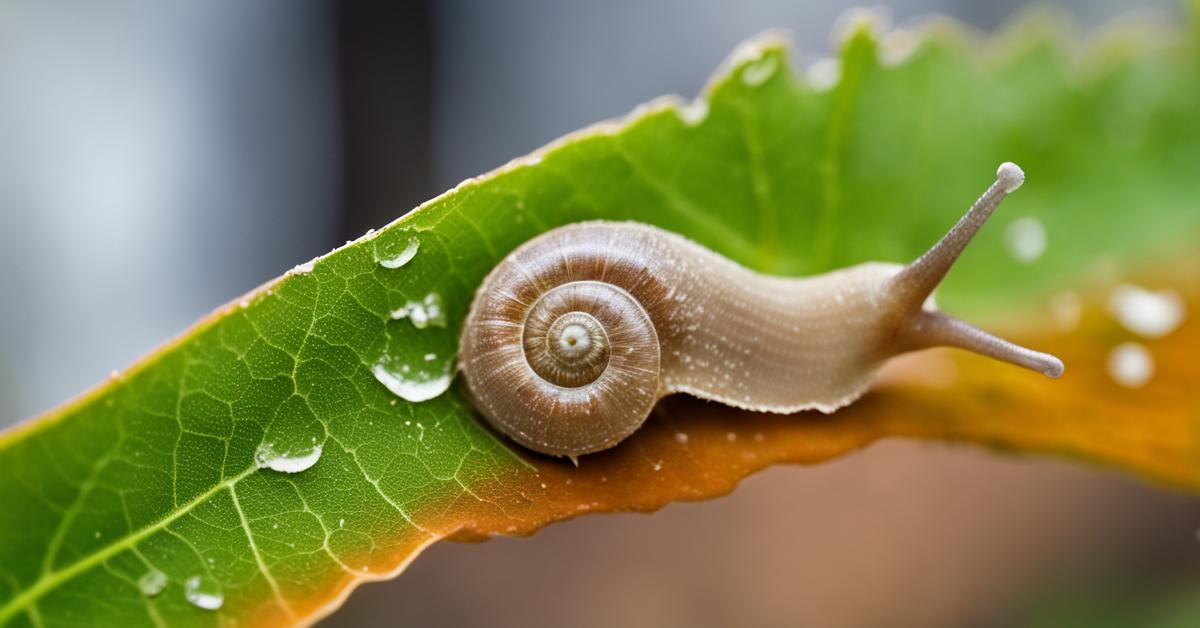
(910, 288)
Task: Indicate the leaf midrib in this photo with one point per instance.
(49, 581)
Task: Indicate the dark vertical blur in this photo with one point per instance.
(385, 62)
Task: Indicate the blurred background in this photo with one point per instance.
(158, 159)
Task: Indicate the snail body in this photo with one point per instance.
(576, 334)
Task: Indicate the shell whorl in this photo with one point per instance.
(557, 353)
(575, 335)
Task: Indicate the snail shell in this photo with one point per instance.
(575, 335)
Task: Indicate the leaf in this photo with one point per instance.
(154, 476)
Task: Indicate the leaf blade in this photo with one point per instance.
(393, 477)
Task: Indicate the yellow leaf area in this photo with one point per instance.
(693, 450)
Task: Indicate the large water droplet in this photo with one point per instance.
(413, 384)
(152, 582)
(203, 592)
(400, 254)
(424, 313)
(291, 461)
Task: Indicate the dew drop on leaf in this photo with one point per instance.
(152, 582)
(203, 592)
(424, 313)
(400, 255)
(415, 385)
(266, 457)
(760, 71)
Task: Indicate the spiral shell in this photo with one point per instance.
(563, 341)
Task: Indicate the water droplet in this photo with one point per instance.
(203, 592)
(430, 357)
(401, 257)
(342, 522)
(760, 71)
(152, 582)
(266, 457)
(658, 465)
(1148, 313)
(681, 438)
(1026, 239)
(415, 387)
(1130, 365)
(423, 313)
(824, 74)
(305, 268)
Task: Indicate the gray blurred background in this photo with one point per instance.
(159, 158)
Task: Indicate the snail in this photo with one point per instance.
(575, 335)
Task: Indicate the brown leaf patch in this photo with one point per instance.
(693, 450)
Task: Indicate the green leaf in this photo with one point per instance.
(156, 474)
